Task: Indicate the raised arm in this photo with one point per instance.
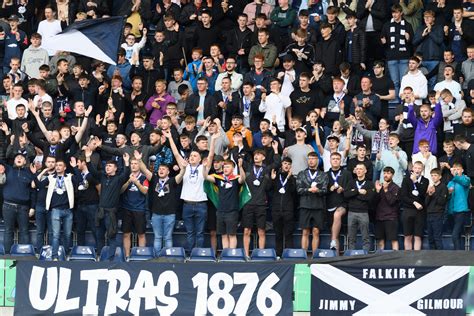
(41, 125)
(348, 141)
(318, 140)
(180, 175)
(143, 169)
(84, 124)
(180, 160)
(241, 171)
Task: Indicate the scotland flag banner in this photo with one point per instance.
(368, 290)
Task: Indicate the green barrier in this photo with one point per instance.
(7, 283)
(302, 288)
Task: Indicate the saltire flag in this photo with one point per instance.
(95, 38)
(212, 192)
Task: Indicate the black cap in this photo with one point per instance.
(288, 57)
(237, 116)
(19, 153)
(13, 17)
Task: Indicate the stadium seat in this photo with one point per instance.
(203, 254)
(46, 253)
(82, 253)
(24, 250)
(268, 254)
(118, 257)
(384, 250)
(233, 255)
(355, 252)
(173, 253)
(2, 250)
(324, 253)
(294, 254)
(142, 254)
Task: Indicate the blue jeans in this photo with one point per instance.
(430, 65)
(194, 216)
(85, 216)
(43, 222)
(163, 230)
(397, 69)
(434, 223)
(15, 213)
(459, 220)
(58, 217)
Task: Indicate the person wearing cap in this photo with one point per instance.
(16, 180)
(16, 41)
(237, 126)
(311, 186)
(333, 147)
(298, 153)
(34, 56)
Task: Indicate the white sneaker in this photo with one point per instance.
(333, 245)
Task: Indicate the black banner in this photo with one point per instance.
(150, 288)
(368, 290)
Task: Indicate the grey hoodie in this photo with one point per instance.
(32, 59)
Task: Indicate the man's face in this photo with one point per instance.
(177, 76)
(236, 122)
(259, 63)
(13, 24)
(205, 19)
(304, 20)
(194, 157)
(424, 148)
(20, 111)
(160, 87)
(258, 158)
(137, 84)
(275, 86)
(262, 37)
(466, 118)
(435, 177)
(83, 82)
(387, 176)
(20, 161)
(47, 111)
(159, 37)
(378, 70)
(285, 166)
(470, 53)
(361, 152)
(202, 86)
(360, 171)
(15, 64)
(202, 145)
(313, 161)
(147, 63)
(393, 142)
(304, 82)
(267, 140)
(242, 21)
(63, 67)
(337, 85)
(36, 41)
(48, 13)
(17, 92)
(184, 141)
(7, 83)
(50, 163)
(130, 39)
(429, 19)
(79, 108)
(448, 73)
(417, 169)
(259, 23)
(169, 23)
(134, 165)
(457, 14)
(448, 57)
(120, 140)
(425, 112)
(335, 161)
(331, 17)
(407, 94)
(448, 148)
(228, 169)
(110, 169)
(60, 167)
(396, 15)
(225, 84)
(230, 64)
(163, 171)
(288, 65)
(412, 65)
(365, 84)
(135, 139)
(264, 126)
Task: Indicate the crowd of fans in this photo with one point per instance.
(233, 113)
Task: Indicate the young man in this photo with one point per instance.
(336, 205)
(393, 157)
(467, 154)
(311, 186)
(458, 189)
(227, 214)
(359, 195)
(415, 80)
(436, 200)
(447, 161)
(110, 183)
(386, 212)
(193, 195)
(355, 45)
(254, 212)
(34, 57)
(133, 205)
(449, 83)
(333, 147)
(284, 191)
(298, 153)
(329, 51)
(425, 156)
(163, 202)
(383, 87)
(275, 104)
(413, 193)
(331, 107)
(60, 201)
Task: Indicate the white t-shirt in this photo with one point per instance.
(327, 159)
(453, 86)
(275, 104)
(47, 30)
(193, 184)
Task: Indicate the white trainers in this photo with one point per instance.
(333, 245)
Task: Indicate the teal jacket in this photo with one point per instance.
(459, 197)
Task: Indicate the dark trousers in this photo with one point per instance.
(459, 220)
(434, 223)
(283, 224)
(15, 213)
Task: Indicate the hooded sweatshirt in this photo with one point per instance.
(33, 58)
